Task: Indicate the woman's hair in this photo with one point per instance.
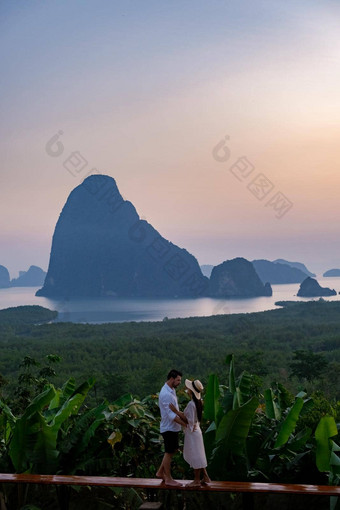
(199, 406)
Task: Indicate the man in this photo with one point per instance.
(170, 425)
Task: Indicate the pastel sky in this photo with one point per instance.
(144, 91)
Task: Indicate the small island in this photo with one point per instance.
(311, 288)
(27, 314)
(237, 278)
(331, 272)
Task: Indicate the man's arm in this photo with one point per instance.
(180, 421)
(166, 402)
(179, 413)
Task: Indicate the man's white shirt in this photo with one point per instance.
(168, 396)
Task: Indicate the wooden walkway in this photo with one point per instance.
(155, 484)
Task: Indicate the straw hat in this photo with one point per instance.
(195, 386)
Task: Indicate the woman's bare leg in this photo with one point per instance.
(206, 477)
(197, 480)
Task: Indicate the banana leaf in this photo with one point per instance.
(230, 361)
(55, 402)
(122, 401)
(44, 454)
(68, 389)
(272, 410)
(307, 406)
(227, 402)
(335, 463)
(300, 439)
(99, 417)
(39, 402)
(25, 430)
(234, 426)
(211, 401)
(78, 437)
(289, 423)
(70, 407)
(324, 431)
(7, 413)
(244, 386)
(85, 387)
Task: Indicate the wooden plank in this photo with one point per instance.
(154, 483)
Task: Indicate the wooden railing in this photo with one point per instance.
(155, 484)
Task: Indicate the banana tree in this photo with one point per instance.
(252, 440)
(327, 459)
(275, 448)
(230, 411)
(40, 440)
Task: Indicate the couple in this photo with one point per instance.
(172, 419)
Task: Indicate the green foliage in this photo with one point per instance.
(325, 430)
(249, 434)
(135, 435)
(33, 447)
(211, 404)
(289, 424)
(227, 433)
(32, 378)
(135, 357)
(307, 365)
(258, 438)
(29, 314)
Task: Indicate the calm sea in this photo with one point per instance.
(102, 310)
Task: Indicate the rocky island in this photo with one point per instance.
(297, 265)
(101, 247)
(275, 272)
(311, 288)
(332, 273)
(4, 277)
(237, 278)
(33, 277)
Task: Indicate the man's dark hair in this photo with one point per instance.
(173, 374)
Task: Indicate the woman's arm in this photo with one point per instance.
(191, 416)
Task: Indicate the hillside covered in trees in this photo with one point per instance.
(298, 345)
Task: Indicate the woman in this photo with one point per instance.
(193, 451)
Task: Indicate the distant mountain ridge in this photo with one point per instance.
(276, 273)
(297, 265)
(101, 247)
(33, 277)
(332, 272)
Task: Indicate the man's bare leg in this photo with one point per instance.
(164, 470)
(160, 472)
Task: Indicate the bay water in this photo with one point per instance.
(101, 310)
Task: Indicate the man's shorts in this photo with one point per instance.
(170, 441)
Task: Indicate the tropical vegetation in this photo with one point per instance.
(249, 435)
(298, 345)
(273, 416)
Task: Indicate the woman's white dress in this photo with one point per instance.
(193, 450)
